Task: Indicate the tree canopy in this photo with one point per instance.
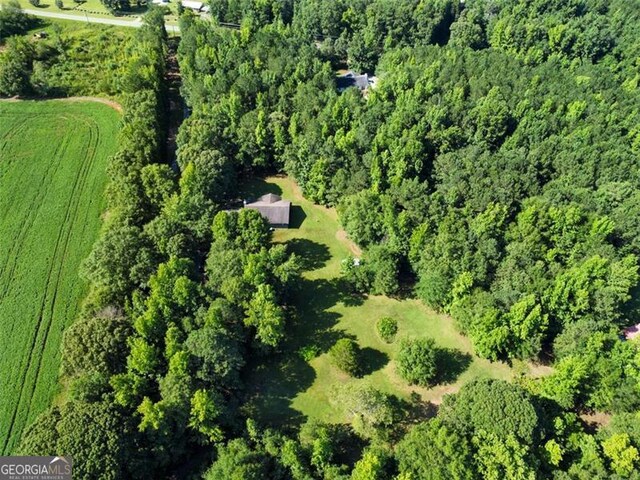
(490, 170)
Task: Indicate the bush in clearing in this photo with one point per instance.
(387, 328)
(345, 355)
(417, 361)
(309, 352)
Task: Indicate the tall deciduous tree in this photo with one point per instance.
(96, 435)
(266, 316)
(433, 451)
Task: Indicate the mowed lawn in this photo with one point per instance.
(68, 6)
(290, 389)
(53, 157)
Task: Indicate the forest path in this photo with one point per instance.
(174, 103)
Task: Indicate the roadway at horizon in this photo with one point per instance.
(135, 23)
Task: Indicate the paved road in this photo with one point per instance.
(78, 17)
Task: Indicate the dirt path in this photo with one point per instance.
(174, 103)
(342, 236)
(105, 101)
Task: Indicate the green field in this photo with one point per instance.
(53, 157)
(94, 8)
(288, 389)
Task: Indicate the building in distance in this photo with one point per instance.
(632, 332)
(192, 5)
(362, 82)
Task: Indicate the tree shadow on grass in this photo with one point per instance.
(450, 364)
(273, 385)
(35, 22)
(313, 322)
(313, 255)
(274, 382)
(348, 296)
(371, 360)
(419, 410)
(349, 445)
(408, 413)
(254, 187)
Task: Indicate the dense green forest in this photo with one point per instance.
(493, 172)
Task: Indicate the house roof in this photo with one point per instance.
(350, 79)
(192, 4)
(269, 199)
(632, 332)
(273, 208)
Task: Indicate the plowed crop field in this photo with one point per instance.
(53, 156)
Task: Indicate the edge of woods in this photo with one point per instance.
(141, 143)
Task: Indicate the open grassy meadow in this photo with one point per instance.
(288, 389)
(92, 7)
(95, 9)
(53, 157)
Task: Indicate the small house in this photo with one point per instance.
(192, 5)
(350, 79)
(632, 332)
(273, 208)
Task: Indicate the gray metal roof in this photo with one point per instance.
(350, 79)
(273, 208)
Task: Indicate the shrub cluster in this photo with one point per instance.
(387, 328)
(417, 361)
(345, 354)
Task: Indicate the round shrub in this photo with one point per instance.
(387, 328)
(344, 355)
(309, 352)
(417, 361)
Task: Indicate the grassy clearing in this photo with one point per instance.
(92, 7)
(79, 59)
(93, 59)
(288, 389)
(95, 8)
(52, 174)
